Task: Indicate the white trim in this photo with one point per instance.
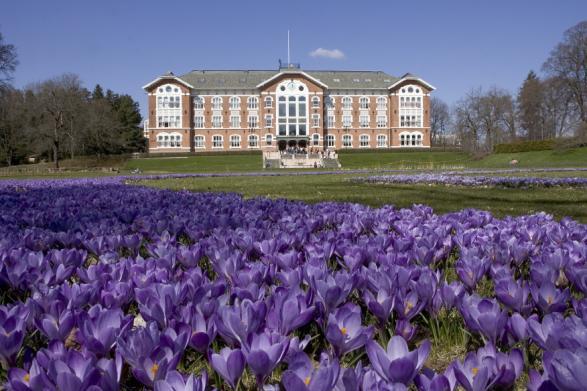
(412, 78)
(289, 72)
(148, 85)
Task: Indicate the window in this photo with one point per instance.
(364, 103)
(381, 141)
(199, 142)
(253, 141)
(268, 102)
(364, 121)
(330, 140)
(217, 103)
(347, 102)
(292, 113)
(168, 107)
(216, 121)
(235, 103)
(235, 141)
(381, 121)
(315, 102)
(411, 139)
(402, 139)
(346, 121)
(364, 140)
(315, 120)
(315, 139)
(381, 103)
(410, 107)
(330, 121)
(198, 122)
(329, 102)
(165, 140)
(269, 139)
(347, 141)
(253, 103)
(217, 141)
(269, 121)
(198, 103)
(253, 121)
(235, 121)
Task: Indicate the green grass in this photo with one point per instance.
(375, 160)
(316, 188)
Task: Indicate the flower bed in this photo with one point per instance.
(107, 286)
(473, 181)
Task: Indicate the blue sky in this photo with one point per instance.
(454, 45)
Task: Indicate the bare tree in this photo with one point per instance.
(568, 63)
(13, 124)
(439, 120)
(559, 117)
(8, 62)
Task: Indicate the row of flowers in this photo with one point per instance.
(474, 181)
(107, 286)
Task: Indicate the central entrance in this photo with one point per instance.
(292, 143)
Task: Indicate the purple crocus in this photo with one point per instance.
(484, 316)
(13, 321)
(428, 380)
(229, 364)
(514, 295)
(344, 330)
(302, 375)
(99, 328)
(175, 381)
(397, 364)
(289, 310)
(238, 321)
(263, 352)
(548, 298)
(567, 369)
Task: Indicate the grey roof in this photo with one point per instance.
(250, 79)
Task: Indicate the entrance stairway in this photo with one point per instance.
(273, 159)
(330, 163)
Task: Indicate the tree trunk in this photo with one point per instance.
(56, 154)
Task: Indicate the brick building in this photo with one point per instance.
(214, 110)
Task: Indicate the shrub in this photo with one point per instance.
(524, 146)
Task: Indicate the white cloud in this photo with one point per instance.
(335, 54)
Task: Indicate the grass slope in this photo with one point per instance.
(557, 201)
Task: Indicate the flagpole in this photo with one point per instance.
(288, 59)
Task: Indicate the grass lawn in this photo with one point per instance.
(501, 202)
(204, 163)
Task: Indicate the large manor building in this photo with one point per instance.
(218, 110)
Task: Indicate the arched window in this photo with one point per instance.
(347, 141)
(268, 102)
(381, 103)
(199, 142)
(253, 141)
(235, 141)
(347, 103)
(364, 103)
(217, 141)
(235, 103)
(253, 103)
(269, 139)
(364, 140)
(315, 139)
(329, 100)
(411, 139)
(198, 102)
(330, 140)
(410, 106)
(169, 140)
(292, 113)
(381, 141)
(315, 102)
(217, 103)
(168, 106)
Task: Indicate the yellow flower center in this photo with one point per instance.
(475, 370)
(307, 381)
(343, 331)
(409, 306)
(26, 378)
(549, 300)
(154, 369)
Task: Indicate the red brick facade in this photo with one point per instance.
(211, 128)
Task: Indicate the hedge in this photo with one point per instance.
(524, 146)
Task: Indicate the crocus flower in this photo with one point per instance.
(203, 332)
(238, 321)
(514, 295)
(397, 364)
(548, 298)
(567, 369)
(263, 352)
(99, 328)
(174, 381)
(344, 330)
(12, 331)
(302, 375)
(470, 270)
(484, 316)
(289, 311)
(229, 364)
(430, 381)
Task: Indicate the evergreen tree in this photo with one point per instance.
(530, 107)
(98, 93)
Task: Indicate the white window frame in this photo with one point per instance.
(169, 140)
(315, 102)
(347, 140)
(215, 139)
(268, 120)
(315, 120)
(234, 103)
(292, 92)
(347, 103)
(256, 143)
(168, 106)
(253, 103)
(411, 106)
(379, 143)
(330, 121)
(234, 125)
(381, 121)
(315, 139)
(269, 139)
(362, 138)
(363, 103)
(330, 140)
(347, 120)
(199, 137)
(217, 103)
(199, 102)
(268, 102)
(199, 122)
(364, 120)
(253, 122)
(217, 121)
(414, 139)
(381, 103)
(234, 141)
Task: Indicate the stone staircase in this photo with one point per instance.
(330, 163)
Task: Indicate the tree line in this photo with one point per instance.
(59, 118)
(553, 106)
